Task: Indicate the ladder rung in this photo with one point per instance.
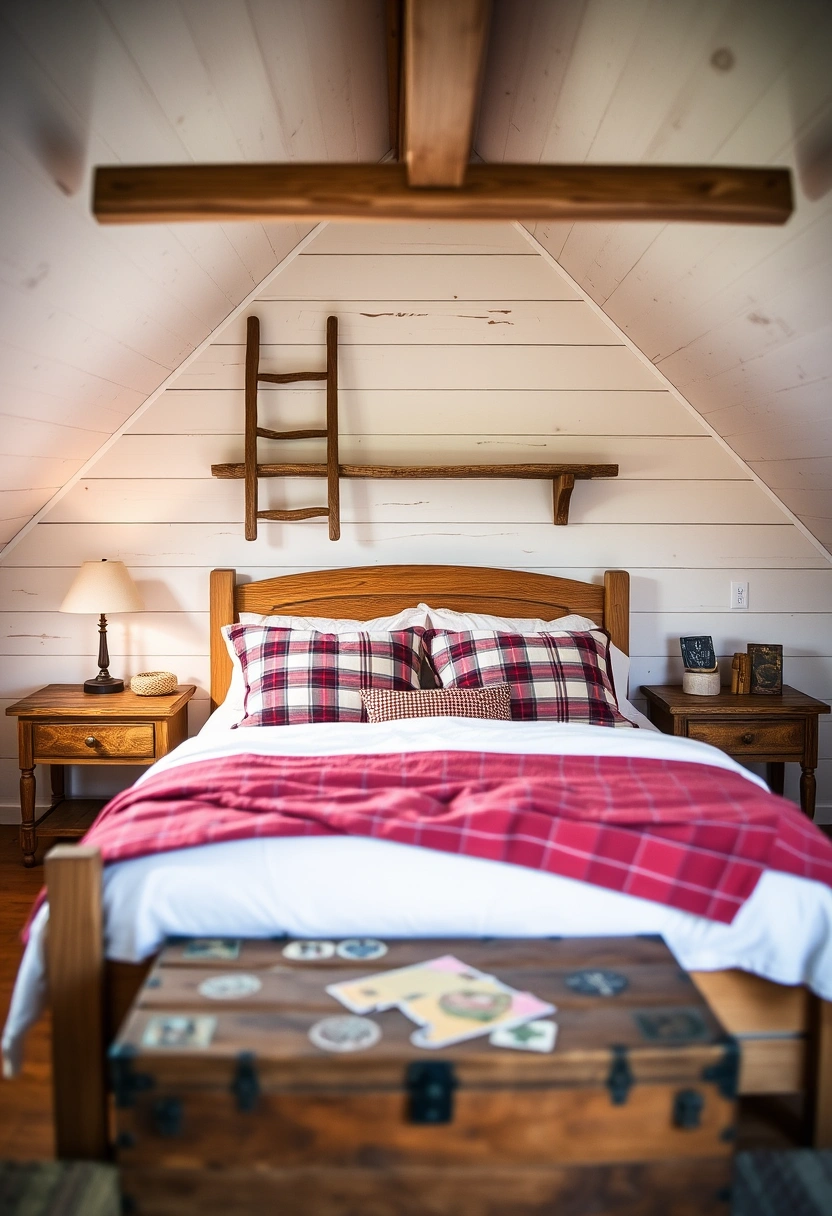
(303, 513)
(289, 377)
(264, 433)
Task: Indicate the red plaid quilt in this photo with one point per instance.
(688, 835)
(559, 677)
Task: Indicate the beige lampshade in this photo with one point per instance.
(102, 587)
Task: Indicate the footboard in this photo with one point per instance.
(785, 1033)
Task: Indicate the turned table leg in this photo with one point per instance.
(808, 786)
(28, 841)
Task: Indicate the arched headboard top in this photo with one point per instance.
(363, 592)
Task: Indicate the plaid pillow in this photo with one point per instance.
(295, 676)
(562, 677)
(385, 706)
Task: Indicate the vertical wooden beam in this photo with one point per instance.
(221, 611)
(444, 57)
(75, 968)
(819, 1070)
(252, 369)
(562, 488)
(333, 486)
(395, 98)
(617, 608)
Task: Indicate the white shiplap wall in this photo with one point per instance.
(457, 343)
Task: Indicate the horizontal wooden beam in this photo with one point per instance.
(444, 54)
(435, 472)
(170, 193)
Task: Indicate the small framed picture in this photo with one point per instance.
(698, 653)
(766, 669)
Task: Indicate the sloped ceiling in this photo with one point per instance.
(738, 319)
(93, 320)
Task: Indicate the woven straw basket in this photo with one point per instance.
(153, 683)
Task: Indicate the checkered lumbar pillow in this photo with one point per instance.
(296, 676)
(562, 677)
(491, 702)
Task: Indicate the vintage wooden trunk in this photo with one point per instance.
(632, 1111)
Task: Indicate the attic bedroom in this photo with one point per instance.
(416, 604)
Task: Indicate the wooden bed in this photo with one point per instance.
(785, 1033)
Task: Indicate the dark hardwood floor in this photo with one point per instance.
(26, 1101)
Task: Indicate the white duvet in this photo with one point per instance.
(347, 886)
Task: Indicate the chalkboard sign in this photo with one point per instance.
(698, 653)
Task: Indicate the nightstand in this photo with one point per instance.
(771, 729)
(61, 724)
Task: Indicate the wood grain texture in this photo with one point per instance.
(211, 193)
(75, 962)
(819, 1073)
(444, 56)
(671, 1188)
(333, 471)
(406, 472)
(365, 592)
(70, 700)
(251, 429)
(90, 741)
(222, 612)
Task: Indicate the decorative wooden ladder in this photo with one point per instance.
(562, 476)
(252, 470)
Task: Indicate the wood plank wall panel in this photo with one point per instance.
(683, 517)
(91, 322)
(737, 318)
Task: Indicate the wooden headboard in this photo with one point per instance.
(364, 592)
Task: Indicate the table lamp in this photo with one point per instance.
(102, 587)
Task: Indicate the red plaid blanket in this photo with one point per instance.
(688, 835)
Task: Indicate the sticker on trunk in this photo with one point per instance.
(179, 1031)
(531, 1036)
(309, 951)
(345, 1032)
(216, 949)
(229, 987)
(362, 949)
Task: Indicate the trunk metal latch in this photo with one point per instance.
(430, 1088)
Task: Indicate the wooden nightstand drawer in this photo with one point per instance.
(781, 737)
(88, 740)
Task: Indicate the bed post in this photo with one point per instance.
(75, 970)
(222, 612)
(617, 608)
(819, 1073)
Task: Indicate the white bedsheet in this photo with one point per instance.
(339, 887)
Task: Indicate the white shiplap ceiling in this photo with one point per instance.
(92, 320)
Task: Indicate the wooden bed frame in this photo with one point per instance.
(785, 1033)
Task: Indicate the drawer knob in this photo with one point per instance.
(748, 737)
(90, 740)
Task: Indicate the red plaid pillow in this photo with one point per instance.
(295, 676)
(563, 677)
(385, 706)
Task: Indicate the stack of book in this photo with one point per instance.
(740, 673)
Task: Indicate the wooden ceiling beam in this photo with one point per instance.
(444, 56)
(223, 193)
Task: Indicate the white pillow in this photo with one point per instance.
(446, 618)
(233, 706)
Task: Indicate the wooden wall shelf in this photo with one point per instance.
(562, 476)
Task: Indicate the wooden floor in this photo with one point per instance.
(25, 1102)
